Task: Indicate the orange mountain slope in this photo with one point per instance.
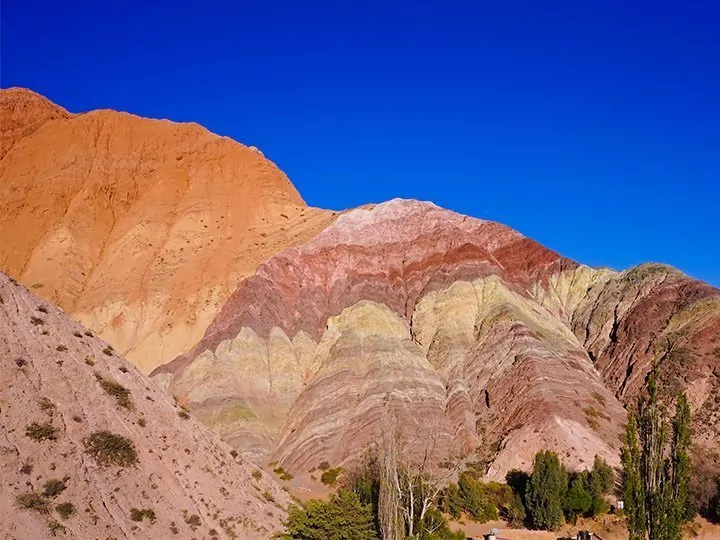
(139, 228)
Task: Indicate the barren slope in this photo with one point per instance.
(22, 113)
(51, 374)
(140, 228)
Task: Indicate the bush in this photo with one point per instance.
(193, 520)
(53, 488)
(61, 348)
(32, 501)
(40, 432)
(257, 474)
(435, 522)
(329, 477)
(137, 514)
(108, 350)
(65, 510)
(324, 466)
(472, 497)
(283, 474)
(341, 517)
(546, 491)
(577, 500)
(116, 390)
(110, 449)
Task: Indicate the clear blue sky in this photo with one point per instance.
(591, 126)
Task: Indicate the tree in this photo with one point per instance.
(546, 491)
(409, 488)
(656, 467)
(343, 517)
(577, 499)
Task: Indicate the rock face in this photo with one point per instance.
(462, 333)
(22, 113)
(59, 387)
(139, 228)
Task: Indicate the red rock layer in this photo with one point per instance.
(392, 255)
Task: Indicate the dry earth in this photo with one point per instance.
(61, 384)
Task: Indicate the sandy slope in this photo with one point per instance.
(49, 375)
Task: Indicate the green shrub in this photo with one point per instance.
(546, 492)
(341, 517)
(434, 521)
(137, 514)
(193, 520)
(283, 474)
(110, 449)
(32, 501)
(116, 390)
(54, 487)
(40, 432)
(65, 510)
(329, 477)
(577, 499)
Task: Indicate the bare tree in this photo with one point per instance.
(409, 486)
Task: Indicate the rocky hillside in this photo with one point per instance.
(91, 448)
(139, 228)
(461, 331)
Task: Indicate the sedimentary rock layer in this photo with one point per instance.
(405, 314)
(139, 228)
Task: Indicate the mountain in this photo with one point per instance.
(458, 331)
(92, 448)
(139, 228)
(302, 335)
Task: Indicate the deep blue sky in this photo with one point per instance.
(591, 126)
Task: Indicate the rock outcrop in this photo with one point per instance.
(90, 447)
(139, 228)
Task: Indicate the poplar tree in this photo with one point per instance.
(656, 467)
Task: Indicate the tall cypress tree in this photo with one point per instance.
(656, 467)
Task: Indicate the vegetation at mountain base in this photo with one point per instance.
(656, 467)
(343, 517)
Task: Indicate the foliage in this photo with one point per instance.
(330, 476)
(656, 467)
(433, 526)
(546, 491)
(468, 496)
(283, 474)
(54, 487)
(40, 432)
(577, 499)
(343, 517)
(65, 509)
(116, 390)
(32, 501)
(110, 449)
(137, 514)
